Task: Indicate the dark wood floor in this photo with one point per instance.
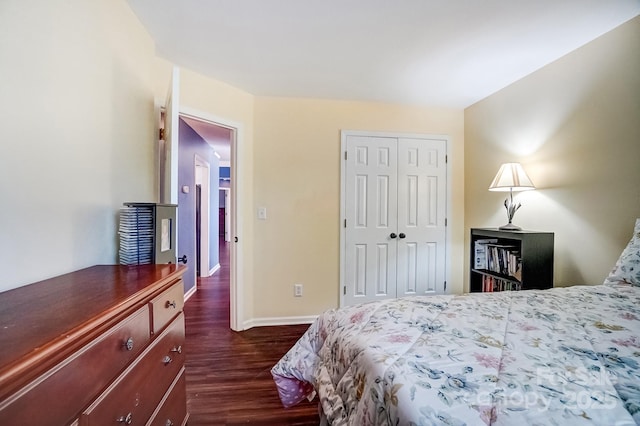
(228, 373)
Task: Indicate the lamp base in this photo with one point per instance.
(510, 227)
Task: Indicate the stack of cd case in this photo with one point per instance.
(147, 233)
(136, 232)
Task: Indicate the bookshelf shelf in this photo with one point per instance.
(510, 260)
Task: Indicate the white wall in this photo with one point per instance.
(76, 112)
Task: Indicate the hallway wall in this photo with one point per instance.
(191, 144)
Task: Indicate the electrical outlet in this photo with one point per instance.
(262, 213)
(297, 290)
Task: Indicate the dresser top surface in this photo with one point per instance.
(33, 316)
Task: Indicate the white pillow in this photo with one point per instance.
(627, 269)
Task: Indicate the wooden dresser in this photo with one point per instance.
(100, 346)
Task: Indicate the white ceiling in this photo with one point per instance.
(218, 137)
(444, 53)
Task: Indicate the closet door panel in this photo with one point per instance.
(371, 218)
(421, 216)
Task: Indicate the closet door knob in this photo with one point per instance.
(392, 235)
(401, 235)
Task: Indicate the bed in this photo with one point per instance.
(563, 356)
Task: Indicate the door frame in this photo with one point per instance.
(205, 213)
(344, 134)
(227, 208)
(236, 281)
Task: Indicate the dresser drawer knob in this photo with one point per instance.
(128, 344)
(171, 304)
(167, 360)
(128, 419)
(168, 423)
(177, 349)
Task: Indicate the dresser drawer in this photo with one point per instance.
(54, 398)
(173, 411)
(166, 306)
(134, 396)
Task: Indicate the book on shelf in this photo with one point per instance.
(480, 252)
(491, 284)
(504, 259)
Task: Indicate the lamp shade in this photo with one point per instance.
(511, 177)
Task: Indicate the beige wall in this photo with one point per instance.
(297, 178)
(76, 113)
(575, 127)
(217, 101)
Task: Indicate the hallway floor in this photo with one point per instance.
(228, 373)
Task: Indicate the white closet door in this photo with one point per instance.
(394, 200)
(371, 219)
(421, 227)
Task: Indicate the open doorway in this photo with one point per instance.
(223, 137)
(168, 160)
(204, 155)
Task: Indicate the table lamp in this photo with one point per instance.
(511, 177)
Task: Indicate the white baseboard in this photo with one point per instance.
(211, 271)
(214, 269)
(190, 292)
(271, 321)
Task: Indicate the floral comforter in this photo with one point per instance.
(564, 356)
